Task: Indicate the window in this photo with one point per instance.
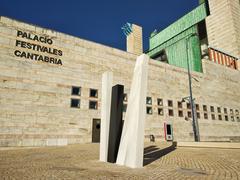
(161, 56)
(225, 110)
(180, 113)
(149, 110)
(232, 118)
(236, 112)
(238, 119)
(213, 116)
(198, 115)
(205, 116)
(160, 102)
(204, 108)
(93, 105)
(231, 111)
(93, 93)
(149, 100)
(125, 97)
(188, 106)
(170, 103)
(197, 107)
(219, 110)
(189, 113)
(124, 107)
(226, 118)
(76, 91)
(75, 103)
(219, 117)
(212, 109)
(170, 112)
(160, 111)
(179, 104)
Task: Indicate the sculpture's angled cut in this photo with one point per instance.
(107, 79)
(131, 147)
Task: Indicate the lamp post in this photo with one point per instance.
(194, 119)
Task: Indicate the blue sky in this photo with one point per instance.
(98, 20)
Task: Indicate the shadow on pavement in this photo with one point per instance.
(153, 153)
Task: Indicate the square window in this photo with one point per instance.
(93, 93)
(205, 108)
(226, 118)
(180, 113)
(179, 104)
(170, 103)
(188, 106)
(232, 118)
(149, 110)
(212, 109)
(219, 110)
(198, 115)
(160, 111)
(197, 107)
(125, 97)
(93, 105)
(76, 91)
(238, 119)
(205, 116)
(189, 113)
(225, 110)
(124, 107)
(75, 103)
(220, 117)
(213, 116)
(149, 100)
(236, 112)
(231, 111)
(160, 102)
(170, 112)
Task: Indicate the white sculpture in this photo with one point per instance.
(107, 79)
(131, 147)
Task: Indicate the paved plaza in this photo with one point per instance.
(161, 161)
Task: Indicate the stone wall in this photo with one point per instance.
(35, 96)
(223, 25)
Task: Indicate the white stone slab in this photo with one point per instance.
(132, 141)
(107, 79)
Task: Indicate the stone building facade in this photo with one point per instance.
(50, 90)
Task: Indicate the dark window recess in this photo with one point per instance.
(197, 107)
(232, 118)
(125, 97)
(179, 104)
(236, 112)
(198, 115)
(212, 109)
(238, 119)
(205, 116)
(149, 101)
(225, 110)
(180, 113)
(75, 103)
(93, 93)
(160, 111)
(226, 118)
(161, 56)
(189, 114)
(149, 110)
(76, 91)
(160, 102)
(219, 110)
(188, 106)
(231, 111)
(170, 112)
(170, 103)
(124, 107)
(220, 117)
(204, 108)
(213, 117)
(93, 105)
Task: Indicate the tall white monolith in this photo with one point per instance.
(131, 147)
(107, 79)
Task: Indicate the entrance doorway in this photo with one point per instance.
(168, 132)
(96, 124)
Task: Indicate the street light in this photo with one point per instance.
(190, 98)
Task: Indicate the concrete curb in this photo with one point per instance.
(224, 145)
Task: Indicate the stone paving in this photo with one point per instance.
(161, 161)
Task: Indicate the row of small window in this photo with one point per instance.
(197, 106)
(76, 91)
(75, 103)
